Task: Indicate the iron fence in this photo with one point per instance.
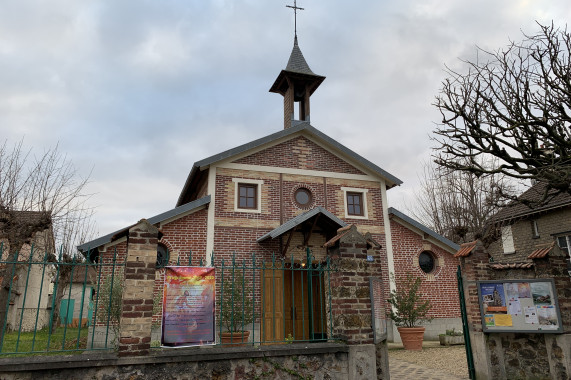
(59, 304)
(53, 302)
(276, 300)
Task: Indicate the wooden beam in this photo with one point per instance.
(311, 230)
(288, 241)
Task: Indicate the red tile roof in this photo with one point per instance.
(465, 249)
(500, 266)
(340, 233)
(541, 252)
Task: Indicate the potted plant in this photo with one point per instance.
(236, 310)
(408, 311)
(451, 338)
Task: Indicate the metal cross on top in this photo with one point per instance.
(295, 8)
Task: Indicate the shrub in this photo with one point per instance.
(408, 309)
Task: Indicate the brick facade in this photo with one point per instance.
(439, 286)
(300, 153)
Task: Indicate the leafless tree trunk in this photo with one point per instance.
(458, 204)
(513, 104)
(36, 193)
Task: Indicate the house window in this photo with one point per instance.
(534, 229)
(508, 240)
(355, 203)
(426, 262)
(303, 197)
(564, 242)
(247, 195)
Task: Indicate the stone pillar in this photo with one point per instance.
(137, 315)
(351, 305)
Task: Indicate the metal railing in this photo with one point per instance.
(277, 301)
(51, 303)
(60, 304)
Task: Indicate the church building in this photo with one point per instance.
(293, 190)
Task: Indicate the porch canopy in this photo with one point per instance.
(307, 223)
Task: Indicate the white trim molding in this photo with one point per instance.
(363, 192)
(258, 182)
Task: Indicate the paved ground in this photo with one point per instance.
(434, 362)
(401, 370)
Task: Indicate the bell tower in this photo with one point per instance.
(296, 83)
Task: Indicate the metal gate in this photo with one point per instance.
(468, 345)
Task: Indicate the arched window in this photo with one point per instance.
(162, 256)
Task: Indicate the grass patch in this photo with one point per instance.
(39, 344)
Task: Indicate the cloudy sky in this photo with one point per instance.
(137, 91)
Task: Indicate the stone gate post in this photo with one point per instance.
(351, 304)
(137, 313)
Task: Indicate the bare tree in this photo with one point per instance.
(457, 204)
(47, 186)
(515, 105)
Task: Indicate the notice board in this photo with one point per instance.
(526, 305)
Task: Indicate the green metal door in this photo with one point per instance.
(66, 311)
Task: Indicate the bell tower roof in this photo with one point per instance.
(298, 69)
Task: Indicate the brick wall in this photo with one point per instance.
(299, 153)
(440, 286)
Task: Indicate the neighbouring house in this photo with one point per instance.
(77, 295)
(29, 306)
(282, 194)
(522, 233)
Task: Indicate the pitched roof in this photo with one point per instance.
(534, 194)
(153, 220)
(423, 228)
(296, 62)
(301, 127)
(296, 221)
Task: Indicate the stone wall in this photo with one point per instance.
(519, 355)
(316, 361)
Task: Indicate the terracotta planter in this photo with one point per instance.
(411, 337)
(236, 339)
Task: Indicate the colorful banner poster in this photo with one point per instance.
(493, 298)
(188, 307)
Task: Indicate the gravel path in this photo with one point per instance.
(447, 359)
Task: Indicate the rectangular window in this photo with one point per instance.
(508, 240)
(355, 204)
(247, 196)
(564, 242)
(534, 229)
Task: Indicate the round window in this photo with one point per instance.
(426, 262)
(302, 197)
